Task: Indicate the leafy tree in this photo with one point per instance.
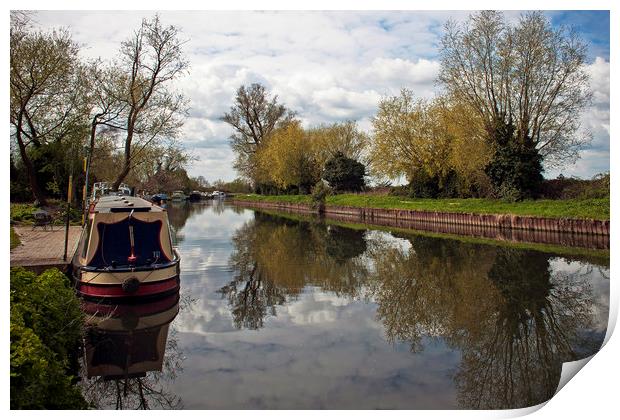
(46, 106)
(344, 174)
(286, 159)
(253, 116)
(528, 78)
(409, 137)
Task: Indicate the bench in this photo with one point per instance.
(42, 219)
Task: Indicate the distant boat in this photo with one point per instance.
(218, 195)
(105, 188)
(125, 251)
(178, 196)
(195, 196)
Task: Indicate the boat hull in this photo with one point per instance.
(127, 285)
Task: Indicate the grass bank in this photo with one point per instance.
(595, 208)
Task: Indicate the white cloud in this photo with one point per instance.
(326, 66)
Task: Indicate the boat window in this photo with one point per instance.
(114, 246)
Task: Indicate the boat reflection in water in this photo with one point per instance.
(129, 356)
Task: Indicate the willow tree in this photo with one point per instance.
(528, 82)
(288, 159)
(408, 138)
(151, 59)
(253, 117)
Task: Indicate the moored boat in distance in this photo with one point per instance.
(219, 195)
(195, 196)
(125, 251)
(178, 196)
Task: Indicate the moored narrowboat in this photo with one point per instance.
(125, 251)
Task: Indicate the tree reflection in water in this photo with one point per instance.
(517, 361)
(274, 259)
(513, 319)
(131, 355)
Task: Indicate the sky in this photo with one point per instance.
(327, 66)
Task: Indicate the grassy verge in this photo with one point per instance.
(596, 208)
(14, 238)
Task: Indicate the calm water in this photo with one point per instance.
(293, 312)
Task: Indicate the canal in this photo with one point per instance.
(294, 312)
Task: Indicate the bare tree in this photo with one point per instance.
(253, 116)
(152, 59)
(530, 75)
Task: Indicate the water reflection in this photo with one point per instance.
(129, 355)
(513, 319)
(274, 259)
(303, 312)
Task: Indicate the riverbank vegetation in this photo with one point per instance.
(505, 112)
(23, 213)
(46, 326)
(594, 208)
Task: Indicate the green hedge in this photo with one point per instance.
(46, 327)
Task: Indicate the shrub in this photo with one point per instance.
(46, 327)
(344, 174)
(22, 212)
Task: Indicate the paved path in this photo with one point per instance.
(44, 248)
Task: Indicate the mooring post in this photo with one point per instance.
(69, 196)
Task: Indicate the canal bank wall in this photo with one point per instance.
(585, 233)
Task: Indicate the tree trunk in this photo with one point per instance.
(127, 164)
(121, 176)
(37, 193)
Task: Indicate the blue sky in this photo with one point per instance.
(327, 66)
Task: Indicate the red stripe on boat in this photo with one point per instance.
(145, 289)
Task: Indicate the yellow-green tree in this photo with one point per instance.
(469, 149)
(287, 159)
(409, 138)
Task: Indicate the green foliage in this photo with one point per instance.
(22, 212)
(516, 168)
(422, 185)
(46, 326)
(344, 174)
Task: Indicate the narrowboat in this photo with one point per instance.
(125, 251)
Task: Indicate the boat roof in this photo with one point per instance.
(124, 203)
